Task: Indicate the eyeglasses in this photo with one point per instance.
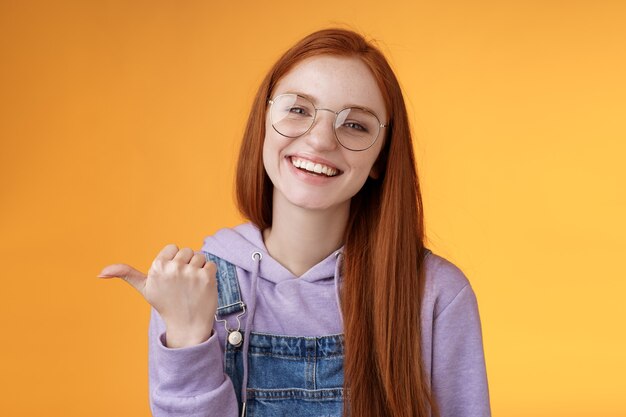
(355, 128)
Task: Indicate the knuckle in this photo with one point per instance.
(171, 269)
(204, 280)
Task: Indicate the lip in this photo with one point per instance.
(312, 179)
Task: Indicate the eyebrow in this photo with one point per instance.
(315, 101)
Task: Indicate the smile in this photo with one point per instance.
(310, 166)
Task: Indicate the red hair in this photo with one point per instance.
(383, 242)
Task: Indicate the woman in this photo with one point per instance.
(327, 302)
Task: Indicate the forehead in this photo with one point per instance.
(334, 82)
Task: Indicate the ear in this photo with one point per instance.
(378, 167)
(374, 172)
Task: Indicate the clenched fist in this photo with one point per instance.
(181, 286)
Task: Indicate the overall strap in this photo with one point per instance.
(228, 292)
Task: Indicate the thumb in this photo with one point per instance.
(129, 274)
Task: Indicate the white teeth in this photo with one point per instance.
(313, 167)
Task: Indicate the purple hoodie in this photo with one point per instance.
(191, 381)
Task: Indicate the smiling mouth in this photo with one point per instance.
(313, 167)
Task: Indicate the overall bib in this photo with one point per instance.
(286, 375)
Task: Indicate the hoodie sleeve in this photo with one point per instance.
(187, 381)
(459, 377)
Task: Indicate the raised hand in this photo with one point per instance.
(181, 286)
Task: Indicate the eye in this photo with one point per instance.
(355, 126)
(298, 110)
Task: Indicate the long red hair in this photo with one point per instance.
(383, 245)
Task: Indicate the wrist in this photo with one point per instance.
(176, 338)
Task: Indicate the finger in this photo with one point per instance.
(129, 274)
(184, 255)
(167, 253)
(210, 266)
(198, 260)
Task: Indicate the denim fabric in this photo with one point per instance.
(299, 376)
(228, 293)
(288, 375)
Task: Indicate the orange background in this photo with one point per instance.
(120, 124)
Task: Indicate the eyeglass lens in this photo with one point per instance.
(293, 115)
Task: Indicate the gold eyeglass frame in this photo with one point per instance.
(336, 113)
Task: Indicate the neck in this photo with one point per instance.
(300, 238)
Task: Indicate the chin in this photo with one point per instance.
(312, 205)
(308, 203)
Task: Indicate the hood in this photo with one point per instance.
(237, 245)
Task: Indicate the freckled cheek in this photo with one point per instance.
(362, 166)
(271, 156)
(267, 156)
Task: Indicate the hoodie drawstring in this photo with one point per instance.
(256, 256)
(338, 255)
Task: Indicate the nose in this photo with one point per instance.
(321, 136)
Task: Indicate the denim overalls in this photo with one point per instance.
(287, 375)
